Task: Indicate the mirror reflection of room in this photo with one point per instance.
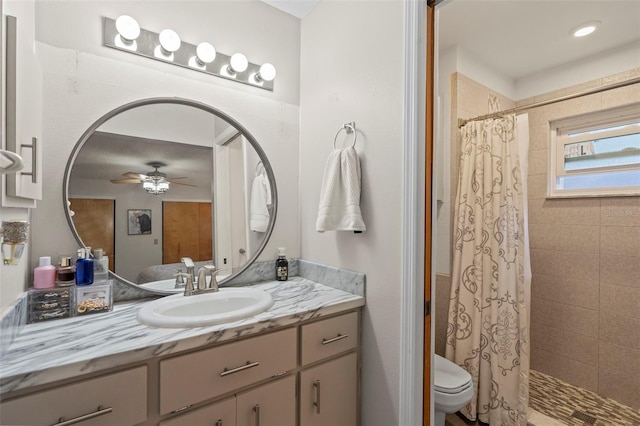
(141, 187)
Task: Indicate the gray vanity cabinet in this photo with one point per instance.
(221, 413)
(329, 385)
(114, 399)
(329, 393)
(304, 375)
(273, 404)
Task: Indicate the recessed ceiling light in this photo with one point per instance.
(585, 29)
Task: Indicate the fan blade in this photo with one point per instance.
(133, 175)
(126, 181)
(183, 184)
(174, 178)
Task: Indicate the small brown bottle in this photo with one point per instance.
(282, 266)
(66, 272)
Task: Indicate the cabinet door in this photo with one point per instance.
(221, 413)
(115, 399)
(24, 102)
(273, 404)
(329, 393)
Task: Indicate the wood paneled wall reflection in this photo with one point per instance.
(94, 220)
(186, 231)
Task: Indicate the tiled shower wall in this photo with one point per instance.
(585, 253)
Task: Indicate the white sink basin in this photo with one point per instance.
(226, 305)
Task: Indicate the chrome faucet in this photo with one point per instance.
(200, 286)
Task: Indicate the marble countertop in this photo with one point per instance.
(60, 349)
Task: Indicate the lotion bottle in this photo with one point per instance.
(100, 266)
(282, 266)
(84, 268)
(44, 276)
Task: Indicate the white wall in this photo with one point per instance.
(84, 80)
(352, 70)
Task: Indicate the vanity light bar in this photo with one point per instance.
(147, 44)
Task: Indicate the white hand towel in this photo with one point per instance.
(259, 217)
(339, 208)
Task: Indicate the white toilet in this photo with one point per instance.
(453, 388)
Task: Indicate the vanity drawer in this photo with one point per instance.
(115, 399)
(329, 337)
(188, 379)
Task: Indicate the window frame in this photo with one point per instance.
(558, 139)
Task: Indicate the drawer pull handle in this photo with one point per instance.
(316, 403)
(256, 409)
(100, 412)
(219, 422)
(335, 339)
(249, 364)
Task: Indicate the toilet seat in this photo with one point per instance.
(450, 378)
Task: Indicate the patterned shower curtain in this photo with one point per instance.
(487, 331)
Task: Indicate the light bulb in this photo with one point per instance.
(267, 72)
(238, 63)
(128, 28)
(205, 53)
(169, 40)
(585, 29)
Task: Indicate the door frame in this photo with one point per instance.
(416, 196)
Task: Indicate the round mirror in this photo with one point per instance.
(159, 180)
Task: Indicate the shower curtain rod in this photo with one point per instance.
(462, 121)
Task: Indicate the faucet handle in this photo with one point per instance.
(179, 278)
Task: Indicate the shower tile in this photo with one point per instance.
(621, 76)
(564, 317)
(584, 239)
(443, 291)
(621, 96)
(583, 211)
(564, 343)
(579, 266)
(559, 400)
(620, 211)
(538, 136)
(619, 369)
(621, 387)
(572, 107)
(620, 240)
(568, 370)
(536, 186)
(623, 331)
(621, 300)
(441, 331)
(575, 292)
(620, 270)
(537, 162)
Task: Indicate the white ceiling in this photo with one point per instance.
(297, 8)
(519, 38)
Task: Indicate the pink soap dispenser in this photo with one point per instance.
(44, 276)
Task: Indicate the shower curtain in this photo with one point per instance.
(487, 331)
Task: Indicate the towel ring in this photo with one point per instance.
(349, 128)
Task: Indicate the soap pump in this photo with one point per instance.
(282, 266)
(100, 266)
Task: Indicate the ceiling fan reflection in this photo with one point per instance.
(154, 182)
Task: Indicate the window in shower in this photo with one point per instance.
(596, 154)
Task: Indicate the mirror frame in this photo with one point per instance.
(186, 102)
